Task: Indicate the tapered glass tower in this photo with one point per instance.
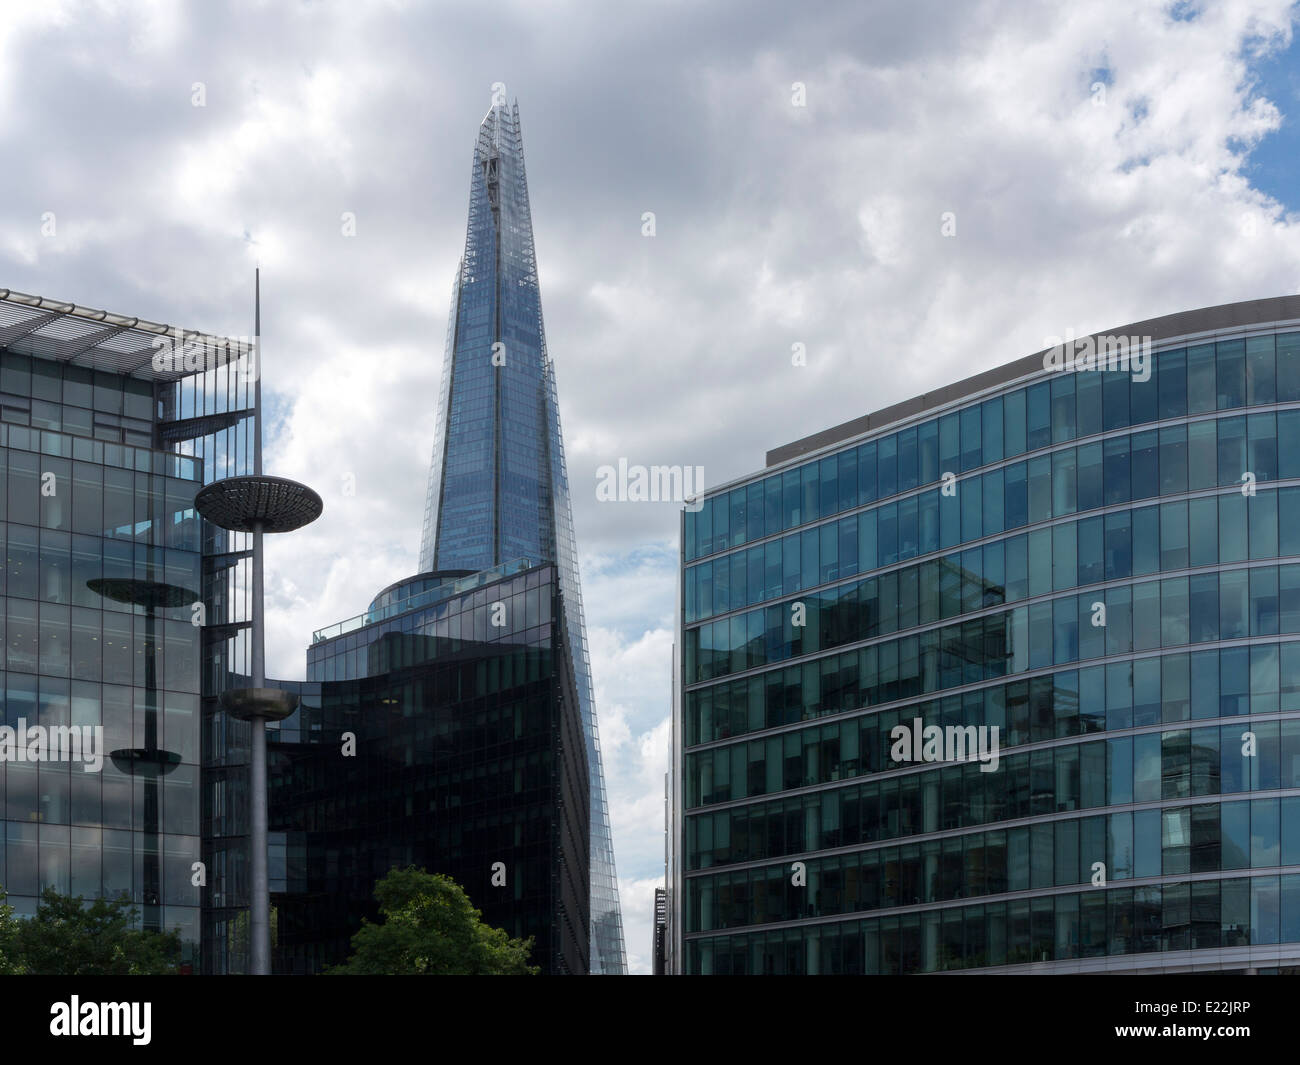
(498, 490)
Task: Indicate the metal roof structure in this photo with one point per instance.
(102, 340)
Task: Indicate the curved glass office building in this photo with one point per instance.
(1006, 677)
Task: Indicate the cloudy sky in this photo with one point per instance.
(1104, 163)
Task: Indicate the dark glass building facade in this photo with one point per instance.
(467, 758)
(1103, 565)
(498, 489)
(97, 514)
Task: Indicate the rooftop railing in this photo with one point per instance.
(459, 586)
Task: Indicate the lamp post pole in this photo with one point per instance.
(258, 504)
(259, 917)
(260, 902)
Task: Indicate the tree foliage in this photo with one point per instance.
(432, 929)
(9, 965)
(72, 937)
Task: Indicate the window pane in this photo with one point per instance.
(1089, 477)
(886, 466)
(1201, 389)
(1232, 450)
(1064, 489)
(1231, 373)
(1013, 415)
(907, 460)
(1202, 455)
(1173, 460)
(1173, 384)
(1115, 406)
(971, 448)
(992, 435)
(1062, 408)
(1087, 387)
(1262, 446)
(1173, 536)
(1115, 460)
(1260, 373)
(1038, 416)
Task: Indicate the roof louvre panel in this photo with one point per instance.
(66, 332)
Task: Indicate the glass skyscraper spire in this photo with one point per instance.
(498, 490)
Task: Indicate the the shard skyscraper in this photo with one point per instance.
(498, 490)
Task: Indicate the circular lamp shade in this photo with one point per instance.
(272, 704)
(144, 761)
(152, 595)
(276, 503)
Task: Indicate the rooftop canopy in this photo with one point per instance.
(83, 336)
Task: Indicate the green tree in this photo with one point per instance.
(8, 927)
(71, 937)
(237, 945)
(432, 929)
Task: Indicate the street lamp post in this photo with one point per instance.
(258, 504)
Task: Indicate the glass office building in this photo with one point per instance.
(1103, 565)
(105, 561)
(498, 489)
(468, 759)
